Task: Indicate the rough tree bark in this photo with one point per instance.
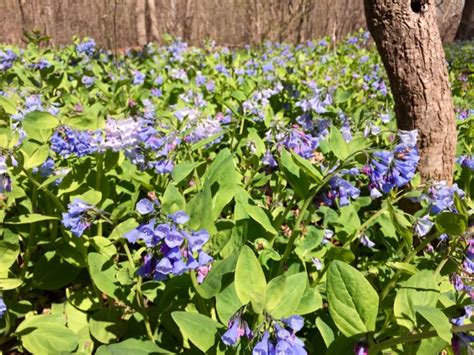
(409, 43)
(155, 34)
(141, 22)
(466, 27)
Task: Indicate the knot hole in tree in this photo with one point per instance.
(419, 6)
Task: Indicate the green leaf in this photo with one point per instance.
(294, 290)
(51, 272)
(451, 223)
(30, 218)
(38, 157)
(8, 105)
(182, 171)
(227, 303)
(337, 144)
(102, 272)
(172, 200)
(297, 179)
(9, 284)
(9, 249)
(326, 331)
(46, 334)
(215, 278)
(199, 329)
(199, 210)
(310, 302)
(438, 320)
(419, 290)
(274, 292)
(259, 216)
(107, 325)
(40, 119)
(353, 303)
(131, 346)
(250, 280)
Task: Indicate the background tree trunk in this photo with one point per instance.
(155, 34)
(409, 43)
(141, 22)
(466, 27)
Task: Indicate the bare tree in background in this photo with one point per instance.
(466, 27)
(409, 43)
(155, 34)
(141, 22)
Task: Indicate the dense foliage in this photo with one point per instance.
(261, 200)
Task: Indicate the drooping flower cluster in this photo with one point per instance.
(3, 307)
(172, 249)
(236, 328)
(389, 169)
(281, 338)
(466, 161)
(79, 216)
(5, 180)
(340, 189)
(70, 142)
(87, 47)
(300, 142)
(440, 197)
(7, 59)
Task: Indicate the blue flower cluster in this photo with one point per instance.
(7, 59)
(236, 328)
(285, 339)
(87, 47)
(466, 161)
(67, 142)
(173, 250)
(3, 307)
(79, 216)
(440, 197)
(5, 180)
(340, 189)
(300, 142)
(389, 169)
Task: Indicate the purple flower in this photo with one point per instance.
(138, 77)
(197, 239)
(7, 59)
(87, 81)
(365, 241)
(237, 328)
(440, 196)
(145, 206)
(87, 47)
(264, 347)
(466, 161)
(361, 349)
(66, 142)
(423, 226)
(3, 307)
(5, 180)
(269, 160)
(296, 323)
(77, 219)
(340, 189)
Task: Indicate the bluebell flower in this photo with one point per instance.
(361, 349)
(5, 180)
(301, 143)
(67, 142)
(440, 197)
(423, 226)
(78, 218)
(269, 160)
(138, 77)
(264, 347)
(295, 323)
(7, 59)
(340, 189)
(145, 206)
(87, 81)
(466, 161)
(365, 241)
(3, 307)
(179, 217)
(148, 267)
(87, 47)
(236, 328)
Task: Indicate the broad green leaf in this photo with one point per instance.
(107, 325)
(9, 284)
(102, 272)
(259, 216)
(451, 223)
(249, 279)
(172, 200)
(46, 334)
(214, 280)
(38, 157)
(40, 119)
(438, 320)
(199, 329)
(353, 303)
(199, 210)
(30, 218)
(8, 105)
(294, 290)
(52, 272)
(9, 249)
(419, 290)
(274, 292)
(337, 144)
(326, 331)
(131, 346)
(182, 171)
(227, 303)
(310, 302)
(293, 173)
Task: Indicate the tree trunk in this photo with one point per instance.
(141, 22)
(409, 43)
(155, 35)
(466, 27)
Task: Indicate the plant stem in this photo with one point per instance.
(393, 281)
(31, 237)
(139, 294)
(296, 232)
(98, 182)
(411, 338)
(52, 196)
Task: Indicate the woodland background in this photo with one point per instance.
(233, 23)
